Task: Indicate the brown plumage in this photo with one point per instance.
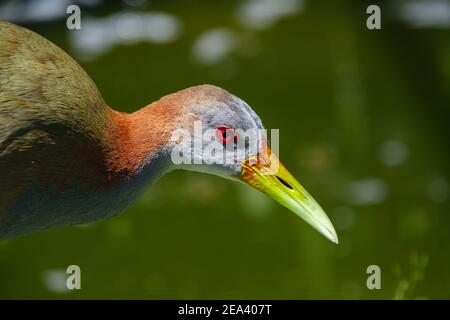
(55, 127)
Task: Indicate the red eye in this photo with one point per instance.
(225, 134)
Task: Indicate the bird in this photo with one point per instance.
(67, 158)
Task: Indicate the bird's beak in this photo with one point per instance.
(267, 174)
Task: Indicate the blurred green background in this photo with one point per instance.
(364, 125)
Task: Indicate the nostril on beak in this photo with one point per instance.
(287, 185)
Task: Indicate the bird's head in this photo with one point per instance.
(218, 133)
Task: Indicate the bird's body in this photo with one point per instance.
(66, 157)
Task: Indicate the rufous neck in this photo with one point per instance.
(137, 139)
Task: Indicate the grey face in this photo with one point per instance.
(224, 132)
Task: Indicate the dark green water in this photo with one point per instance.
(364, 125)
